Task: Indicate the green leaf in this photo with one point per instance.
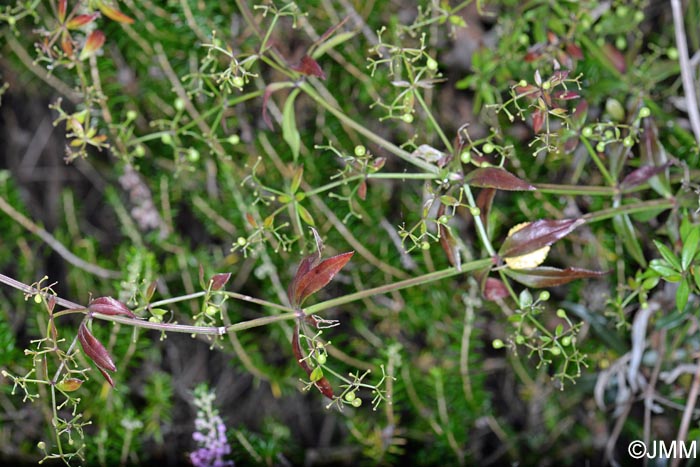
(289, 125)
(305, 215)
(296, 179)
(690, 247)
(625, 230)
(682, 294)
(316, 374)
(668, 255)
(662, 267)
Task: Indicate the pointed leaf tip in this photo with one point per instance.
(110, 306)
(94, 349)
(313, 279)
(219, 280)
(114, 14)
(94, 42)
(495, 177)
(310, 67)
(537, 235)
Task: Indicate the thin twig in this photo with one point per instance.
(55, 244)
(688, 413)
(686, 70)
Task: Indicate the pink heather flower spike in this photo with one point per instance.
(210, 432)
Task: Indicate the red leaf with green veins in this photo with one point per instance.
(494, 177)
(549, 277)
(536, 235)
(317, 277)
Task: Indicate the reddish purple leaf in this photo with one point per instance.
(494, 177)
(616, 58)
(304, 267)
(322, 384)
(362, 190)
(447, 242)
(310, 67)
(558, 77)
(92, 44)
(81, 20)
(495, 290)
(549, 277)
(642, 174)
(219, 280)
(484, 202)
(574, 51)
(538, 120)
(109, 306)
(95, 351)
(537, 235)
(318, 277)
(62, 4)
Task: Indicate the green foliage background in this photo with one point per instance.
(189, 175)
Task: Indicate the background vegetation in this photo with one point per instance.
(151, 148)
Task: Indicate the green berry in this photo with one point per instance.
(487, 148)
(238, 82)
(360, 150)
(139, 151)
(321, 358)
(587, 132)
(672, 53)
(522, 83)
(37, 298)
(519, 339)
(628, 142)
(498, 344)
(211, 310)
(179, 104)
(131, 115)
(431, 64)
(465, 157)
(425, 246)
(561, 313)
(407, 117)
(241, 241)
(600, 147)
(233, 139)
(356, 403)
(350, 396)
(192, 155)
(644, 112)
(166, 139)
(555, 350)
(544, 295)
(566, 341)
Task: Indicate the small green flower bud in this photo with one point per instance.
(628, 142)
(566, 341)
(360, 150)
(555, 351)
(131, 115)
(544, 295)
(350, 396)
(487, 148)
(498, 344)
(644, 112)
(356, 403)
(238, 82)
(561, 313)
(179, 104)
(587, 132)
(407, 117)
(233, 139)
(431, 64)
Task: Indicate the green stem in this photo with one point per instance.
(391, 147)
(424, 279)
(598, 162)
(392, 176)
(629, 209)
(426, 109)
(575, 190)
(477, 222)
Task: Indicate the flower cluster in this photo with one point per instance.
(210, 434)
